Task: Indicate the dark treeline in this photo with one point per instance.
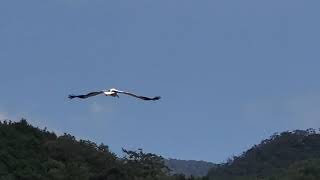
(30, 153)
(287, 156)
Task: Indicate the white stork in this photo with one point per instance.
(114, 93)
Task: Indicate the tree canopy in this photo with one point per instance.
(275, 158)
(27, 152)
(30, 153)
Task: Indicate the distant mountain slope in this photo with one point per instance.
(275, 157)
(189, 167)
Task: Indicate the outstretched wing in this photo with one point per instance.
(85, 95)
(141, 97)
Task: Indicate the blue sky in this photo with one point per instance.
(231, 73)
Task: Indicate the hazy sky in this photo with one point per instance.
(231, 73)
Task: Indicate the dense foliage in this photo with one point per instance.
(285, 156)
(27, 153)
(30, 153)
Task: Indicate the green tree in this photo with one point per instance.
(140, 164)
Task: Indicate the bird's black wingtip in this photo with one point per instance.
(157, 98)
(71, 96)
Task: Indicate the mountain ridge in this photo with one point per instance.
(189, 168)
(27, 152)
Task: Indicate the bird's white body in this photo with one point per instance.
(112, 92)
(109, 93)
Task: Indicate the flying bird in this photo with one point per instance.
(114, 93)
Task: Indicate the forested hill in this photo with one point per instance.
(31, 153)
(287, 156)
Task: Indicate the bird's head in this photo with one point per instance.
(113, 90)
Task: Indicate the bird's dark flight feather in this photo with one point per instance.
(143, 97)
(85, 95)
